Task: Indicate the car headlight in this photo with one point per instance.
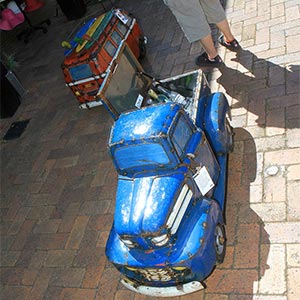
(179, 268)
(160, 240)
(128, 243)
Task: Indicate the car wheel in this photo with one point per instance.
(142, 46)
(230, 134)
(220, 243)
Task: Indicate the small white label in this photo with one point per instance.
(179, 99)
(121, 17)
(204, 181)
(139, 101)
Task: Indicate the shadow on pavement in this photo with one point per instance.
(265, 90)
(247, 241)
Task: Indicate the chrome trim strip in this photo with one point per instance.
(170, 291)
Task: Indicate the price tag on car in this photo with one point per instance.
(121, 17)
(204, 181)
(139, 101)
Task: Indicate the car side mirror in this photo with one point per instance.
(190, 156)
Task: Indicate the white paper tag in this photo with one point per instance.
(121, 17)
(139, 101)
(204, 181)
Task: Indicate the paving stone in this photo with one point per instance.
(211, 296)
(95, 207)
(59, 258)
(232, 281)
(50, 226)
(293, 172)
(16, 292)
(93, 274)
(102, 238)
(283, 157)
(40, 285)
(38, 259)
(68, 277)
(247, 238)
(281, 233)
(77, 294)
(29, 276)
(77, 232)
(11, 276)
(293, 12)
(273, 297)
(272, 185)
(9, 258)
(293, 192)
(52, 292)
(143, 297)
(270, 212)
(293, 283)
(273, 278)
(124, 295)
(108, 284)
(256, 193)
(293, 255)
(100, 222)
(293, 139)
(66, 224)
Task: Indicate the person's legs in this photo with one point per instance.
(209, 47)
(210, 57)
(191, 18)
(227, 39)
(224, 27)
(215, 14)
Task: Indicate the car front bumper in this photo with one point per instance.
(170, 291)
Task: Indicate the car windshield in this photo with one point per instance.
(136, 156)
(125, 85)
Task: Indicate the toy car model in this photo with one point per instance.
(169, 145)
(93, 50)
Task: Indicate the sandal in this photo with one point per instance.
(204, 61)
(232, 46)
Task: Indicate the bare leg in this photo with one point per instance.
(209, 47)
(224, 27)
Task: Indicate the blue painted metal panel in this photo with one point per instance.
(142, 204)
(140, 141)
(154, 170)
(211, 117)
(150, 121)
(196, 252)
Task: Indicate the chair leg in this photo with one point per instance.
(32, 28)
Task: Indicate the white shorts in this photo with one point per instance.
(194, 16)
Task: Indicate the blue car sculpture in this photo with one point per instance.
(170, 151)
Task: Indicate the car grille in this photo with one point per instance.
(166, 274)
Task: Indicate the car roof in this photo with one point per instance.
(146, 123)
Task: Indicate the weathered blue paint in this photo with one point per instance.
(147, 199)
(157, 151)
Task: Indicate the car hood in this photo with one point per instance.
(143, 204)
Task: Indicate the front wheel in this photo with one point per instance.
(220, 243)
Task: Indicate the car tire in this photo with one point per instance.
(143, 48)
(220, 243)
(230, 136)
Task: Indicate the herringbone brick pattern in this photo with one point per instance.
(58, 183)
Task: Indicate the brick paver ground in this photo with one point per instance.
(58, 183)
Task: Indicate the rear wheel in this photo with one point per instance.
(230, 135)
(142, 46)
(220, 243)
